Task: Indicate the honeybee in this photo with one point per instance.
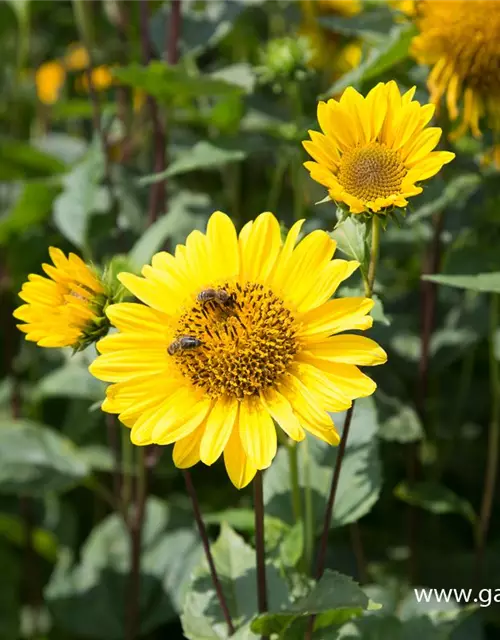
(214, 295)
(183, 343)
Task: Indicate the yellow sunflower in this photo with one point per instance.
(237, 332)
(460, 39)
(65, 309)
(374, 150)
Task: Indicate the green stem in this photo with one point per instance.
(127, 463)
(293, 461)
(309, 524)
(374, 253)
(277, 181)
(490, 476)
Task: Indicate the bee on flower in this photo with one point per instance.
(233, 334)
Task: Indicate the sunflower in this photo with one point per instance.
(374, 150)
(49, 80)
(65, 309)
(235, 333)
(462, 44)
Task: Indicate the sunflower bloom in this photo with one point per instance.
(236, 332)
(460, 40)
(374, 150)
(65, 309)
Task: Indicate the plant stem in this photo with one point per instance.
(259, 542)
(374, 253)
(293, 462)
(127, 465)
(208, 554)
(114, 446)
(135, 522)
(358, 549)
(309, 521)
(427, 309)
(490, 476)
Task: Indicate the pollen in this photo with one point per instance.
(247, 343)
(371, 171)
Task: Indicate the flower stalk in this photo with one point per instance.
(260, 543)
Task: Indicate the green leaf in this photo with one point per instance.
(360, 480)
(235, 564)
(172, 83)
(335, 594)
(350, 236)
(82, 196)
(435, 498)
(13, 529)
(391, 51)
(35, 459)
(72, 380)
(203, 27)
(399, 422)
(33, 206)
(187, 211)
(88, 599)
(19, 160)
(292, 547)
(204, 155)
(457, 191)
(483, 282)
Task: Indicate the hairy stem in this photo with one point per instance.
(206, 548)
(135, 522)
(260, 550)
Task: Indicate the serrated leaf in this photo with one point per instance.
(483, 282)
(235, 564)
(35, 459)
(435, 498)
(333, 594)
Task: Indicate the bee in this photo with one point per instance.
(183, 343)
(214, 295)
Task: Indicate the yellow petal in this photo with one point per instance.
(281, 411)
(349, 349)
(240, 469)
(336, 315)
(187, 450)
(219, 425)
(257, 432)
(260, 248)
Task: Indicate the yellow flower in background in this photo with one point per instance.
(101, 78)
(49, 80)
(76, 58)
(236, 332)
(328, 52)
(460, 39)
(65, 309)
(375, 149)
(408, 7)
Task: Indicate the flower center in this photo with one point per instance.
(372, 171)
(247, 341)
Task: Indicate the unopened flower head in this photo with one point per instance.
(65, 309)
(460, 39)
(374, 150)
(236, 332)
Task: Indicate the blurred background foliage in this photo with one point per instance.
(123, 125)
